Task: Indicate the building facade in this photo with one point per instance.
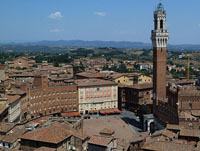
(47, 97)
(96, 94)
(136, 98)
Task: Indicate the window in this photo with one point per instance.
(190, 105)
(161, 24)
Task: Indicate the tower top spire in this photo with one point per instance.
(160, 7)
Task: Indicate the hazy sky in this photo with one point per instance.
(118, 20)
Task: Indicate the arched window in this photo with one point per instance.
(190, 105)
(161, 24)
(156, 24)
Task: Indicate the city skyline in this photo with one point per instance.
(24, 21)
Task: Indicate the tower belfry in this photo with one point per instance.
(159, 37)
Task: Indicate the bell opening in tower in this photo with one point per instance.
(161, 24)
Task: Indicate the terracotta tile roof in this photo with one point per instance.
(79, 135)
(55, 133)
(123, 145)
(39, 121)
(115, 75)
(107, 131)
(167, 146)
(94, 82)
(3, 108)
(24, 74)
(17, 132)
(15, 91)
(91, 75)
(165, 133)
(182, 82)
(6, 127)
(142, 86)
(100, 140)
(2, 137)
(174, 127)
(8, 149)
(11, 99)
(150, 139)
(45, 149)
(190, 133)
(139, 136)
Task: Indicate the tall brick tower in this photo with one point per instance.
(159, 37)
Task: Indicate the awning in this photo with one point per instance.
(71, 114)
(93, 111)
(110, 111)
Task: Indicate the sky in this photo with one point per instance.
(107, 20)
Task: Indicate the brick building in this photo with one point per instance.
(46, 97)
(21, 62)
(137, 98)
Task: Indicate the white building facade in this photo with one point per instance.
(96, 95)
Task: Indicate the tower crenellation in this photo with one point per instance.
(159, 35)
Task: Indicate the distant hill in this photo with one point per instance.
(116, 44)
